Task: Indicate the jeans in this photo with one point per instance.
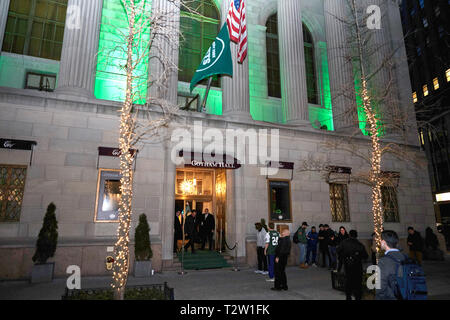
(302, 247)
(271, 265)
(325, 254)
(332, 256)
(313, 250)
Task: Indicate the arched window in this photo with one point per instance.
(273, 63)
(311, 84)
(198, 31)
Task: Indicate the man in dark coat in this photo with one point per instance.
(323, 245)
(191, 230)
(282, 252)
(415, 243)
(178, 230)
(352, 253)
(208, 225)
(388, 266)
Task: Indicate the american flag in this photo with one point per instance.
(237, 26)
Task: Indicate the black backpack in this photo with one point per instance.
(295, 238)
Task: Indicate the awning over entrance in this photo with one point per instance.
(202, 160)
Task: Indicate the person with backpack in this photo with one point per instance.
(281, 256)
(271, 244)
(352, 253)
(400, 277)
(302, 242)
(415, 243)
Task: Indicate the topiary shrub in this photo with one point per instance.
(142, 247)
(48, 237)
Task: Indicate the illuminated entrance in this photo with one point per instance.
(200, 189)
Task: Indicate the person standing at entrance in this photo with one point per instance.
(178, 230)
(191, 230)
(260, 245)
(281, 256)
(271, 244)
(207, 227)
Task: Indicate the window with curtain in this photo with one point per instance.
(199, 25)
(273, 62)
(12, 185)
(35, 28)
(390, 204)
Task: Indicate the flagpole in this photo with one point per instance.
(203, 107)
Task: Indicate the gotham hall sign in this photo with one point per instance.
(200, 160)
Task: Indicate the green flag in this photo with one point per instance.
(217, 59)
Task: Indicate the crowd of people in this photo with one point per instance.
(197, 229)
(338, 251)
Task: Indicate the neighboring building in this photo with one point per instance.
(426, 30)
(57, 92)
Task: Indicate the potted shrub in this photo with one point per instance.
(45, 248)
(142, 249)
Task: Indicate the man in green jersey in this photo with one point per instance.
(271, 244)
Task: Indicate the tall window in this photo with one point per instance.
(35, 28)
(279, 200)
(198, 32)
(310, 67)
(339, 202)
(273, 62)
(12, 184)
(390, 204)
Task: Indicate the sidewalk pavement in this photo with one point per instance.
(225, 284)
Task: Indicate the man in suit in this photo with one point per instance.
(191, 230)
(208, 225)
(178, 230)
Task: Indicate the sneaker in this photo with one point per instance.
(258, 271)
(270, 280)
(314, 265)
(265, 272)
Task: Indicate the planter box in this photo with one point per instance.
(142, 269)
(338, 281)
(42, 272)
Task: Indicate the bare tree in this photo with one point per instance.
(372, 106)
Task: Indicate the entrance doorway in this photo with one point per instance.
(202, 189)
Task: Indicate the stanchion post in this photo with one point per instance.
(235, 257)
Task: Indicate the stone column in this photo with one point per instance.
(235, 90)
(340, 67)
(292, 62)
(164, 76)
(80, 47)
(4, 9)
(402, 70)
(168, 208)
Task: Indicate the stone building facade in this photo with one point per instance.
(71, 123)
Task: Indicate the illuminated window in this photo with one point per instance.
(339, 202)
(198, 32)
(12, 184)
(447, 75)
(279, 200)
(414, 97)
(36, 28)
(108, 196)
(436, 83)
(425, 90)
(421, 138)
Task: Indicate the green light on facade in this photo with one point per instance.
(110, 80)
